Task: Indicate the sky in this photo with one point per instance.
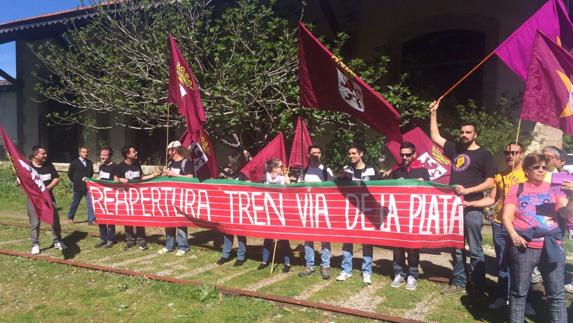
(18, 9)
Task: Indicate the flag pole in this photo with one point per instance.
(516, 139)
(167, 138)
(467, 75)
(274, 253)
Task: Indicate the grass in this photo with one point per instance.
(47, 292)
(35, 290)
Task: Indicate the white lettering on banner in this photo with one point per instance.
(425, 214)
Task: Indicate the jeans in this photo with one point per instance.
(139, 234)
(501, 243)
(35, 224)
(76, 199)
(347, 252)
(399, 262)
(283, 246)
(309, 254)
(228, 245)
(473, 223)
(179, 234)
(107, 232)
(522, 262)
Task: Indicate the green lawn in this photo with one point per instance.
(36, 290)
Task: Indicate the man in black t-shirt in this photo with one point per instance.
(473, 170)
(106, 173)
(180, 166)
(130, 171)
(409, 168)
(51, 179)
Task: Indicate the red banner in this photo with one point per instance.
(392, 213)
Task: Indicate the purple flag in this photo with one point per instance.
(552, 20)
(548, 92)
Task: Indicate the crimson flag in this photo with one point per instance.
(429, 155)
(30, 181)
(255, 168)
(327, 84)
(300, 144)
(184, 93)
(548, 96)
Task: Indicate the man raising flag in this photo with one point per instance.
(184, 93)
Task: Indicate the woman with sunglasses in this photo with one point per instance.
(531, 217)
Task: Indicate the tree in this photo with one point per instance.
(244, 57)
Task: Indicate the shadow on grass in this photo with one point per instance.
(71, 241)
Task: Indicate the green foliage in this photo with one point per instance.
(496, 129)
(113, 71)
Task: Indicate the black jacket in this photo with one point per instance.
(77, 171)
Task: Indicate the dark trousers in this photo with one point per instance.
(282, 247)
(76, 199)
(523, 260)
(107, 232)
(473, 223)
(501, 244)
(130, 238)
(399, 262)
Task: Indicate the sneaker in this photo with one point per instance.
(180, 253)
(100, 243)
(325, 272)
(143, 246)
(397, 282)
(109, 244)
(70, 221)
(343, 276)
(238, 263)
(286, 269)
(529, 311)
(307, 271)
(497, 304)
(59, 245)
(163, 251)
(411, 283)
(453, 289)
(569, 288)
(367, 279)
(129, 246)
(262, 266)
(35, 249)
(223, 260)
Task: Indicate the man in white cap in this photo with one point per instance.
(178, 165)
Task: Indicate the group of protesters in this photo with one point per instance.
(528, 221)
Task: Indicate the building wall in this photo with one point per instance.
(8, 116)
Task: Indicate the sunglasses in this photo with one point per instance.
(538, 167)
(514, 152)
(406, 155)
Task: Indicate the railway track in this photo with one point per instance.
(223, 289)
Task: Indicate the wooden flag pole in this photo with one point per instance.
(167, 138)
(467, 75)
(273, 260)
(516, 141)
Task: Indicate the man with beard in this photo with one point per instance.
(473, 170)
(130, 171)
(409, 168)
(357, 171)
(106, 173)
(51, 179)
(316, 172)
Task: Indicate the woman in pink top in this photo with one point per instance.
(531, 216)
